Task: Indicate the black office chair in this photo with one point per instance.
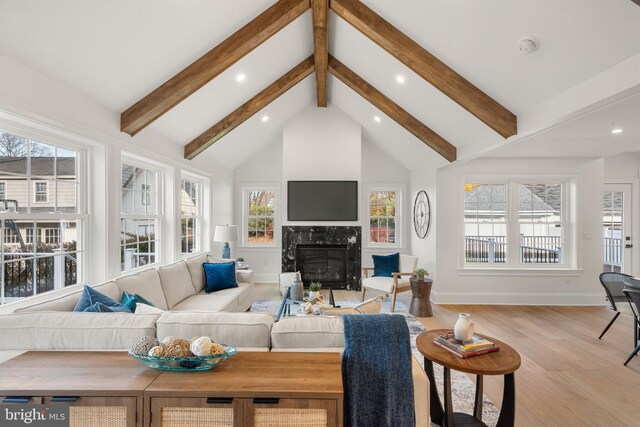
(613, 285)
(633, 295)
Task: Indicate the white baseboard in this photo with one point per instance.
(495, 298)
(265, 278)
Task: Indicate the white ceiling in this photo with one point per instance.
(117, 51)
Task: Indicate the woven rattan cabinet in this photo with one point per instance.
(251, 389)
(98, 411)
(236, 412)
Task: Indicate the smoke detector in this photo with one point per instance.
(527, 45)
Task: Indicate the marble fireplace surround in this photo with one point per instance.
(351, 236)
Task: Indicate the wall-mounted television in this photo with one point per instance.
(322, 200)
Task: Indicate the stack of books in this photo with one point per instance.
(465, 349)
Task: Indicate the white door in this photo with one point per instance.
(616, 230)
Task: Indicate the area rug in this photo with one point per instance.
(462, 388)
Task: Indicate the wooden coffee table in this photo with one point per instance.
(503, 362)
(250, 388)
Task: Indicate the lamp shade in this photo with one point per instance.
(226, 233)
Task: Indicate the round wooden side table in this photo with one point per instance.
(503, 362)
(421, 297)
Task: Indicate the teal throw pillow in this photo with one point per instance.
(219, 276)
(90, 296)
(384, 265)
(131, 301)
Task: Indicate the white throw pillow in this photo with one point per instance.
(147, 309)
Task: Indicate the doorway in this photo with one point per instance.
(616, 228)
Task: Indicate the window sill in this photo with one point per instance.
(520, 272)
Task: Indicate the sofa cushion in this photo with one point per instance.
(146, 283)
(308, 332)
(219, 276)
(236, 329)
(74, 331)
(384, 284)
(224, 300)
(93, 300)
(64, 299)
(195, 270)
(176, 282)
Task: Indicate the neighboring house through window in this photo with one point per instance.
(516, 223)
(140, 215)
(41, 215)
(190, 215)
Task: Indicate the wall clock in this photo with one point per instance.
(422, 214)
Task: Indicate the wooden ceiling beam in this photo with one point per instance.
(427, 66)
(249, 108)
(210, 65)
(391, 109)
(320, 15)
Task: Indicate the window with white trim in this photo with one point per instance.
(516, 223)
(260, 216)
(190, 215)
(41, 192)
(140, 215)
(42, 185)
(384, 212)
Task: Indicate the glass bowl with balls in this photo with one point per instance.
(177, 354)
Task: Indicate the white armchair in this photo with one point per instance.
(391, 285)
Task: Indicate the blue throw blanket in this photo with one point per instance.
(376, 371)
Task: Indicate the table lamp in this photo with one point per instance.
(226, 233)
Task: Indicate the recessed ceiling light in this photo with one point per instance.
(616, 131)
(400, 79)
(377, 119)
(265, 119)
(240, 78)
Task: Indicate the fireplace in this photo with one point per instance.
(326, 254)
(326, 264)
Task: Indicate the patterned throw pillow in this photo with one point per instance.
(90, 296)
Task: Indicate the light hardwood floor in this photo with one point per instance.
(568, 377)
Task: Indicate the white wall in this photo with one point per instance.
(579, 286)
(372, 166)
(35, 104)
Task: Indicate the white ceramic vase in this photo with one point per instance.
(314, 294)
(463, 329)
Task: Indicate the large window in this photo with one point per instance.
(515, 223)
(190, 215)
(260, 216)
(41, 217)
(140, 216)
(384, 217)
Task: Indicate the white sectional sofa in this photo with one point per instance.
(47, 321)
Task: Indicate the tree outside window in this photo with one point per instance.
(261, 216)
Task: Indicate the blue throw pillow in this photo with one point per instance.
(131, 301)
(90, 296)
(384, 265)
(97, 308)
(219, 276)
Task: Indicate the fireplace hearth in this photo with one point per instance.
(326, 254)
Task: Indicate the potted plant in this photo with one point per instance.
(421, 273)
(314, 290)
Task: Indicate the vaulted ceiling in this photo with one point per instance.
(119, 51)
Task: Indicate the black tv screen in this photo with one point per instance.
(322, 201)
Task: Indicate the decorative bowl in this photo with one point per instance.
(193, 363)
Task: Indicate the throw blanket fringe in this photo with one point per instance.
(376, 371)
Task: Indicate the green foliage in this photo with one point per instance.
(421, 272)
(315, 286)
